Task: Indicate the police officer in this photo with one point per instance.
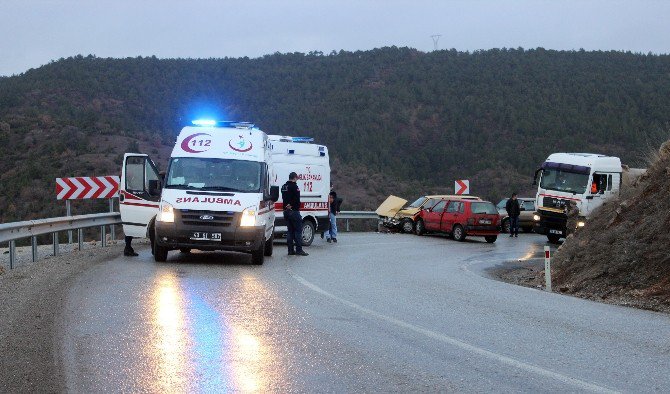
(291, 197)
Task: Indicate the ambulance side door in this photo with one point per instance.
(139, 194)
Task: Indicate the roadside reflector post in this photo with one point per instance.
(55, 242)
(33, 247)
(112, 227)
(103, 237)
(12, 254)
(547, 268)
(68, 208)
(80, 238)
(347, 225)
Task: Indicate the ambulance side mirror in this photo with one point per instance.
(274, 193)
(154, 187)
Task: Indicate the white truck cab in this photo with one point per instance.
(216, 193)
(312, 164)
(587, 179)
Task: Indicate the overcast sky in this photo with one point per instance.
(34, 32)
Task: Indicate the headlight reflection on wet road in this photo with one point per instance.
(169, 330)
(203, 348)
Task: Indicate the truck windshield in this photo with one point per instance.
(564, 181)
(418, 202)
(214, 174)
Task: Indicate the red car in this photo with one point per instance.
(460, 218)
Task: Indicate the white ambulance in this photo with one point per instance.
(312, 164)
(584, 178)
(216, 193)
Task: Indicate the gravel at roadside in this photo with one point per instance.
(31, 298)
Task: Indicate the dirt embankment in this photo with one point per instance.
(622, 256)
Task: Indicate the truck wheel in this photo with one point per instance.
(160, 253)
(420, 227)
(307, 232)
(185, 250)
(407, 226)
(491, 238)
(258, 256)
(269, 244)
(506, 226)
(553, 238)
(459, 233)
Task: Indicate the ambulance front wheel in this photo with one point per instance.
(308, 230)
(160, 253)
(258, 255)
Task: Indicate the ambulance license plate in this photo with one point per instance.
(559, 232)
(206, 236)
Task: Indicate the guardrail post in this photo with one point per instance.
(69, 213)
(112, 227)
(12, 254)
(33, 247)
(80, 238)
(56, 245)
(103, 236)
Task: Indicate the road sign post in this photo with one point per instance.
(547, 268)
(85, 188)
(68, 210)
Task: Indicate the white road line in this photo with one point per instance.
(458, 343)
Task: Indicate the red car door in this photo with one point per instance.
(450, 216)
(433, 216)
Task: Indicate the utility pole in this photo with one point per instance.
(436, 38)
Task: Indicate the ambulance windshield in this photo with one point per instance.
(214, 174)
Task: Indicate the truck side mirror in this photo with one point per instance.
(274, 193)
(535, 176)
(154, 187)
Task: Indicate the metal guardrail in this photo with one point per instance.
(348, 215)
(357, 215)
(11, 232)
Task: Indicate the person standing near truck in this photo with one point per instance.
(333, 210)
(572, 214)
(291, 198)
(513, 211)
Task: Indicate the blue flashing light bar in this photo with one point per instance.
(204, 122)
(303, 139)
(223, 123)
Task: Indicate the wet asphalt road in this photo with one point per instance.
(375, 312)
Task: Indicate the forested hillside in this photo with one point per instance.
(395, 119)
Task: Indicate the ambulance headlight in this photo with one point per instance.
(248, 218)
(166, 213)
(536, 218)
(581, 223)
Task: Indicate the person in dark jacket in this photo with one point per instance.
(513, 211)
(333, 210)
(291, 199)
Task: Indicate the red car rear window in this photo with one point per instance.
(484, 208)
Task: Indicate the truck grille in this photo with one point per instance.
(553, 202)
(552, 219)
(201, 218)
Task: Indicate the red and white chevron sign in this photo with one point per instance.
(462, 186)
(85, 187)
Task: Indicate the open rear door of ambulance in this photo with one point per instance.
(139, 194)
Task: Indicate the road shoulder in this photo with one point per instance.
(31, 299)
